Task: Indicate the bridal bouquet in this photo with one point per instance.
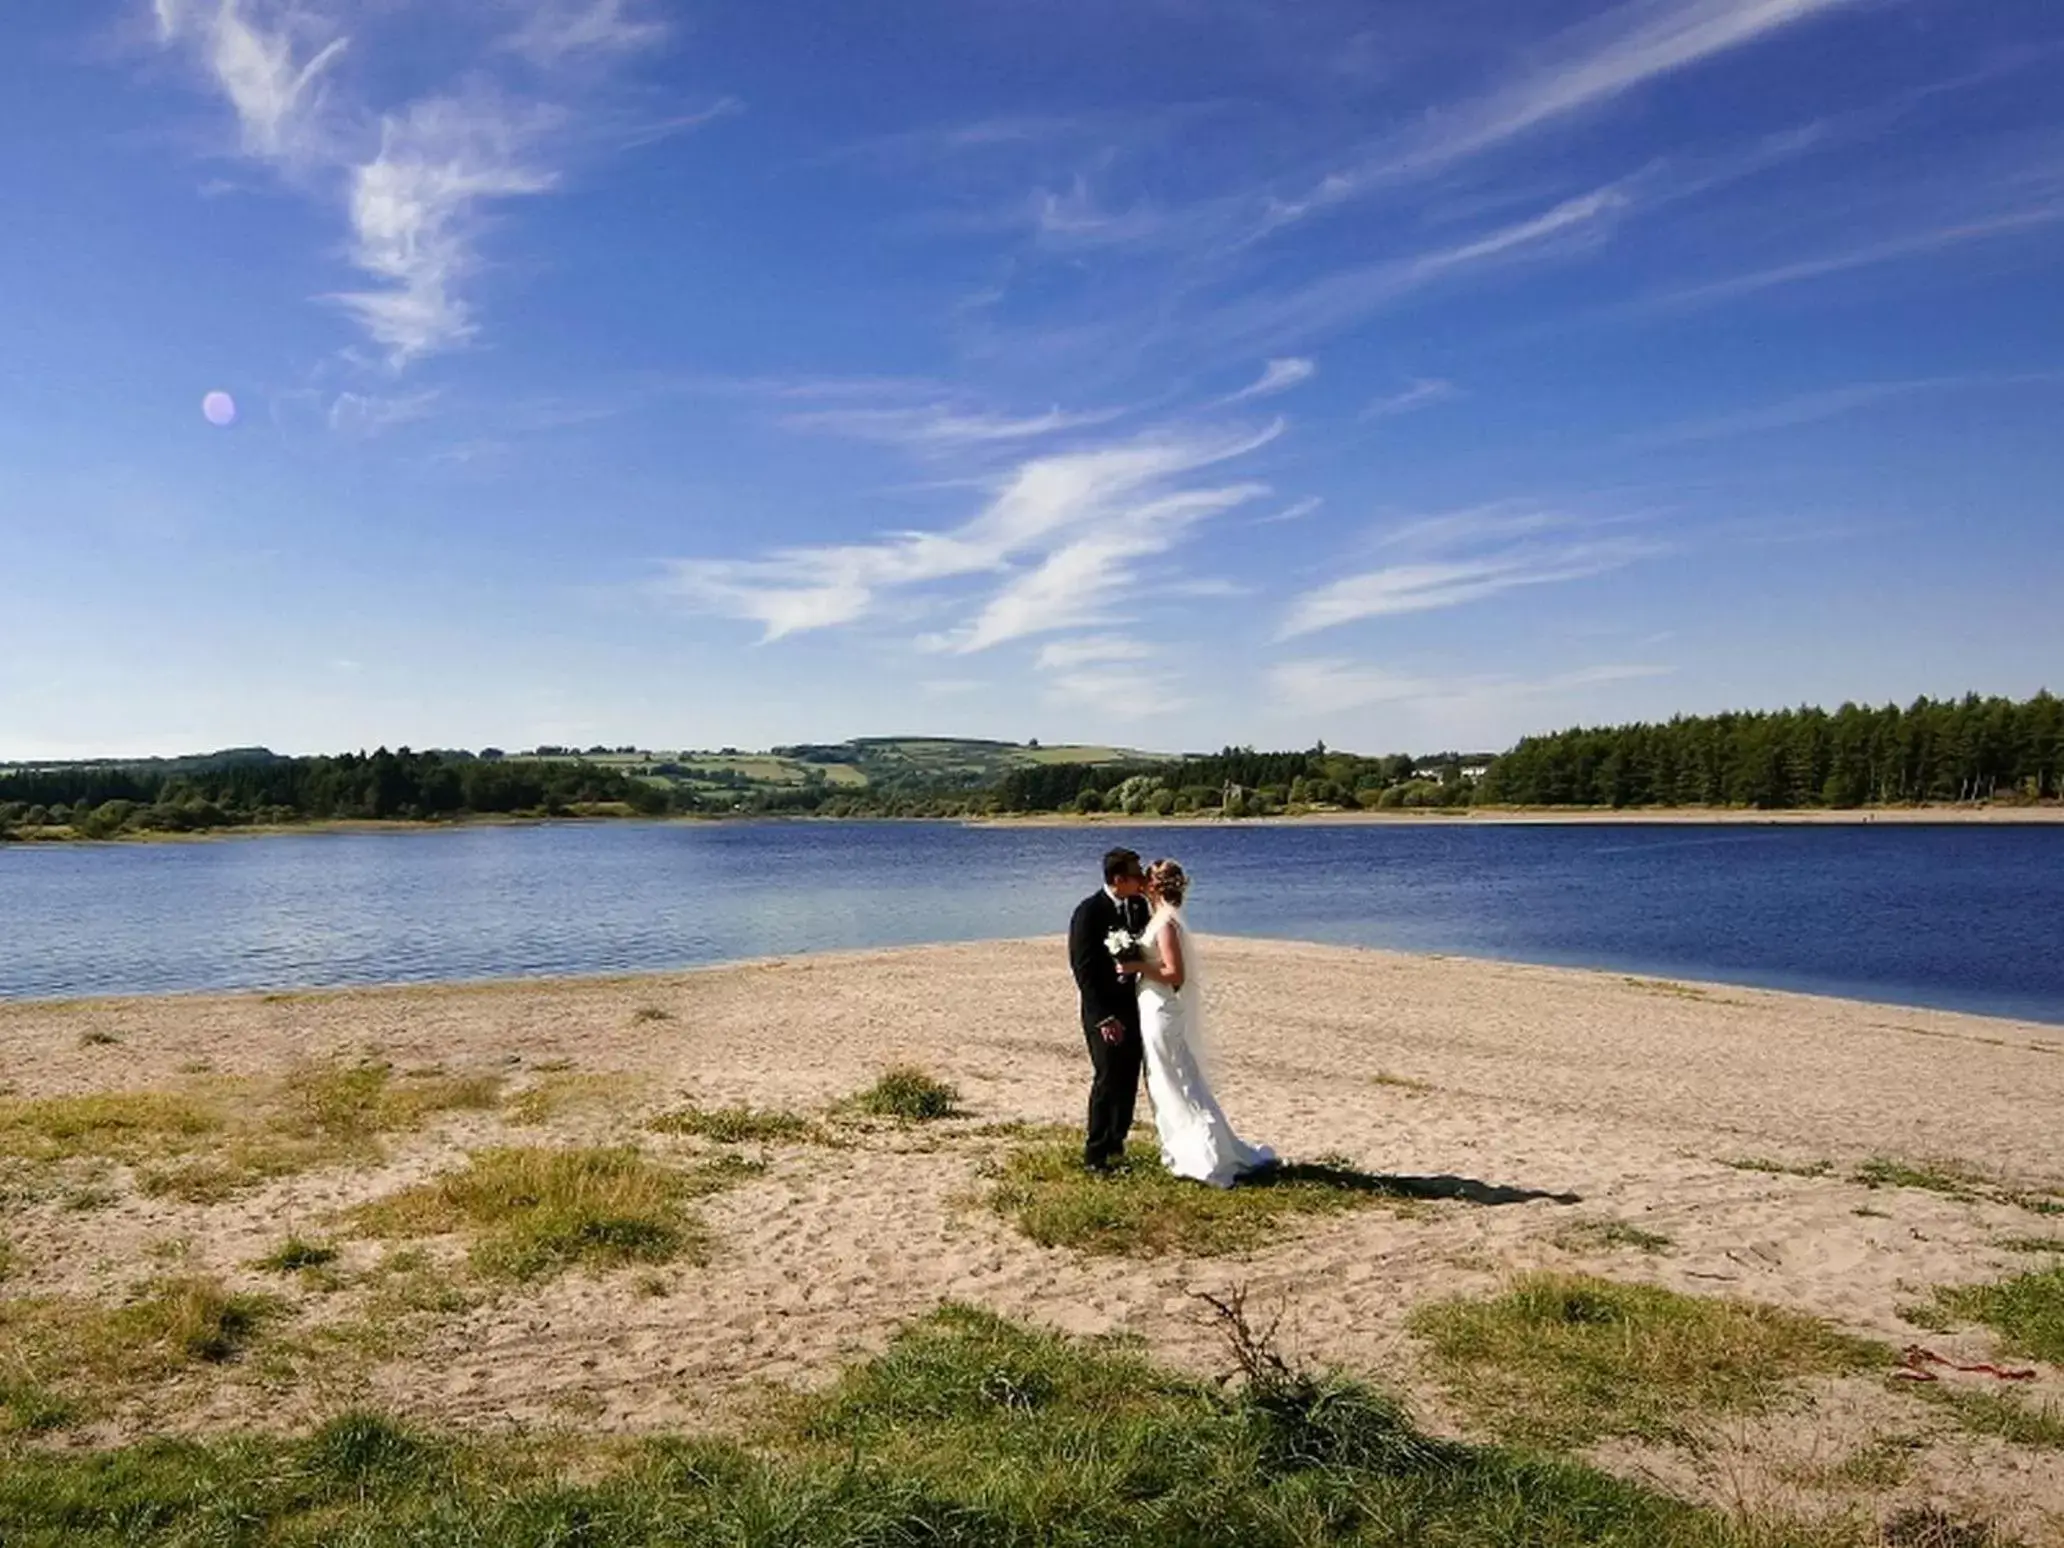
(1123, 945)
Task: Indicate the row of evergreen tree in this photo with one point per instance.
(1973, 749)
(104, 799)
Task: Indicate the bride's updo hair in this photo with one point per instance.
(1166, 879)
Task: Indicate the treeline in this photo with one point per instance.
(1241, 782)
(105, 800)
(1974, 749)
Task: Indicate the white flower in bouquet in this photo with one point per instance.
(1121, 944)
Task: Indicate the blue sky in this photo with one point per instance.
(1173, 372)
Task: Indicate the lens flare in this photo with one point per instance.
(219, 409)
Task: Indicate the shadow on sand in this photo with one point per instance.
(1347, 1179)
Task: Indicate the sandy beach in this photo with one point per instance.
(1577, 1100)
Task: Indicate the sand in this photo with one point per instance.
(1632, 1095)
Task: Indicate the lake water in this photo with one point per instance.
(1961, 917)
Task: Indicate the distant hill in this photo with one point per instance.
(186, 763)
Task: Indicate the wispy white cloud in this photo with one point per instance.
(1831, 403)
(1059, 529)
(1332, 684)
(1423, 393)
(1347, 296)
(1297, 510)
(1074, 218)
(1590, 64)
(1089, 577)
(935, 426)
(1276, 376)
(365, 414)
(1462, 557)
(415, 182)
(1093, 650)
(1126, 678)
(1912, 244)
(269, 59)
(554, 31)
(414, 208)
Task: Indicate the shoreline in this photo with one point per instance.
(861, 956)
(1517, 816)
(1552, 816)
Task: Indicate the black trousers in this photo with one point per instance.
(1112, 1094)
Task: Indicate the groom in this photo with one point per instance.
(1110, 1005)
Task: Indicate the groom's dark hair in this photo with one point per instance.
(1119, 862)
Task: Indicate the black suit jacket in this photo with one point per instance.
(1105, 996)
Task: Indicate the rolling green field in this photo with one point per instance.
(875, 763)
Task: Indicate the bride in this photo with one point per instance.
(1196, 1140)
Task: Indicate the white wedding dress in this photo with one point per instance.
(1196, 1140)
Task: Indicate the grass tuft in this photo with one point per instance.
(561, 1093)
(736, 1125)
(1780, 1168)
(67, 1358)
(908, 1095)
(295, 1254)
(2030, 1244)
(1605, 1235)
(1930, 1526)
(1141, 1210)
(532, 1212)
(1999, 1416)
(191, 1147)
(2027, 1311)
(118, 1125)
(651, 1013)
(1950, 1178)
(1561, 1360)
(348, 1103)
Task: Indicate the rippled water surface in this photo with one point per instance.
(1969, 918)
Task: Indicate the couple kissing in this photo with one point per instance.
(1136, 969)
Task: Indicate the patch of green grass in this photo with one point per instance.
(1400, 1082)
(1780, 1168)
(1879, 1464)
(651, 1013)
(67, 1358)
(1999, 1416)
(211, 1144)
(2026, 1311)
(1929, 1319)
(295, 1254)
(118, 1125)
(1561, 1360)
(559, 1094)
(969, 1432)
(1140, 1210)
(1950, 1178)
(532, 1212)
(1604, 1235)
(354, 1102)
(908, 1095)
(98, 1037)
(736, 1125)
(1930, 1526)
